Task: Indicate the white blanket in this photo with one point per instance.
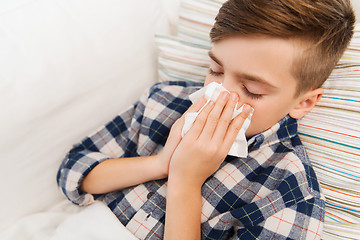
(69, 222)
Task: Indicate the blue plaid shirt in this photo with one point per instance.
(271, 194)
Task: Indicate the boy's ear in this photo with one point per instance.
(306, 102)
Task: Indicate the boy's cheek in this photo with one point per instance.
(209, 79)
(259, 123)
(207, 82)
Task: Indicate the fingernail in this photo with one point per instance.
(225, 95)
(234, 97)
(247, 109)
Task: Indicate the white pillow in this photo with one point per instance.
(67, 66)
(181, 60)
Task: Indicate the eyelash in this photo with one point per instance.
(245, 90)
(250, 94)
(216, 74)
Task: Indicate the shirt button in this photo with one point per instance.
(149, 195)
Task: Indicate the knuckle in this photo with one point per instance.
(223, 102)
(230, 107)
(241, 118)
(237, 128)
(224, 122)
(212, 118)
(202, 148)
(212, 150)
(210, 153)
(244, 115)
(221, 153)
(200, 120)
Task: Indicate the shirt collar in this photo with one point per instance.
(285, 129)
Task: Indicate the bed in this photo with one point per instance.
(68, 66)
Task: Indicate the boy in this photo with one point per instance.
(272, 56)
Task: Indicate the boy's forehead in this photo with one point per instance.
(262, 60)
(246, 76)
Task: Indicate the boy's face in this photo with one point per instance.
(258, 69)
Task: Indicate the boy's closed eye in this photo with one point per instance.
(214, 73)
(246, 90)
(252, 95)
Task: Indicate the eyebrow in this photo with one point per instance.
(214, 58)
(245, 76)
(257, 79)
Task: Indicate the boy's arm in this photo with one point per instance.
(108, 142)
(118, 173)
(91, 152)
(197, 156)
(91, 166)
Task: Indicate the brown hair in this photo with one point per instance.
(324, 28)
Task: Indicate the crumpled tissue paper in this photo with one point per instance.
(212, 92)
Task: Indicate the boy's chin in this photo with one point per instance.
(253, 132)
(250, 134)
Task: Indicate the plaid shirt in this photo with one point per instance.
(271, 194)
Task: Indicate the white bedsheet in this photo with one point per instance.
(69, 222)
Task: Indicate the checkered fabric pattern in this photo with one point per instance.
(271, 194)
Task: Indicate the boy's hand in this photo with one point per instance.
(174, 138)
(205, 146)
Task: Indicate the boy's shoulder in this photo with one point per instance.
(182, 88)
(163, 103)
(288, 155)
(180, 83)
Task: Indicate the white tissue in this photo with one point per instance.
(212, 92)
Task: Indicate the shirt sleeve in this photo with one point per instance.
(116, 139)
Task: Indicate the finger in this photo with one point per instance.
(175, 132)
(212, 120)
(236, 125)
(197, 105)
(193, 108)
(225, 118)
(200, 121)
